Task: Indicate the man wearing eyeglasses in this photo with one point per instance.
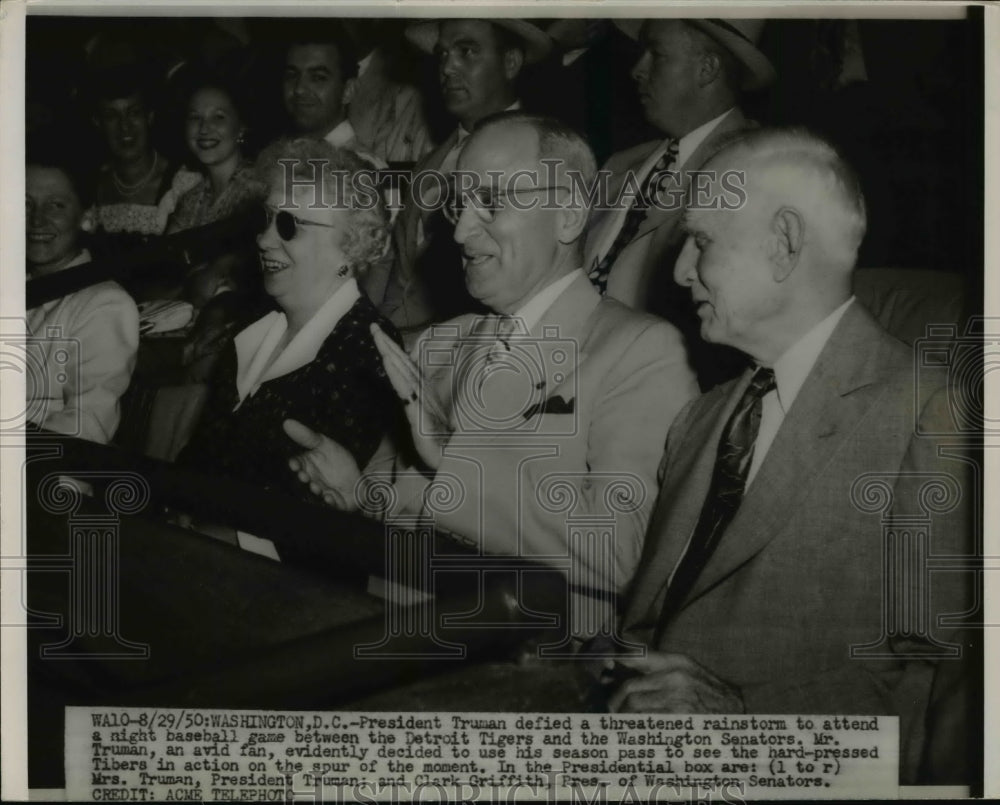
(479, 62)
(556, 389)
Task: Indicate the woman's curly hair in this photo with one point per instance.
(348, 181)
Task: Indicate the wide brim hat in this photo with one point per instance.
(738, 36)
(537, 43)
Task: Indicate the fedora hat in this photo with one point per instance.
(536, 42)
(739, 37)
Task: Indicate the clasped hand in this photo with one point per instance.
(672, 683)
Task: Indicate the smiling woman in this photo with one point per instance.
(83, 344)
(313, 360)
(215, 133)
(136, 177)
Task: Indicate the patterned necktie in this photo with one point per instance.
(633, 219)
(732, 463)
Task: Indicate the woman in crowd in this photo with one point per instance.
(136, 188)
(83, 346)
(215, 134)
(225, 290)
(313, 360)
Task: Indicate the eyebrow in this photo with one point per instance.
(309, 68)
(461, 42)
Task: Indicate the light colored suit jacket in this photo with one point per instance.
(643, 272)
(798, 577)
(612, 381)
(388, 115)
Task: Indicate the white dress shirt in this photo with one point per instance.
(790, 372)
(343, 136)
(531, 312)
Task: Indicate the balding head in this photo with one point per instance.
(522, 227)
(766, 272)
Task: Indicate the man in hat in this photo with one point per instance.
(689, 79)
(773, 579)
(479, 62)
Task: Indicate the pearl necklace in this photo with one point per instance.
(129, 190)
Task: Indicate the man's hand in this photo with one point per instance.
(672, 683)
(428, 422)
(328, 468)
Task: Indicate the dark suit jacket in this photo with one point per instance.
(798, 578)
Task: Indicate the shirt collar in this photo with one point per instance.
(533, 310)
(256, 344)
(464, 132)
(342, 135)
(794, 366)
(689, 143)
(82, 257)
(365, 63)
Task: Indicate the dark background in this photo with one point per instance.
(913, 129)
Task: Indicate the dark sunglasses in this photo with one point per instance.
(286, 223)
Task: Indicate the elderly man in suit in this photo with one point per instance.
(479, 62)
(761, 587)
(689, 79)
(556, 392)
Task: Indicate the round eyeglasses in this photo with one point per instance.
(486, 201)
(286, 223)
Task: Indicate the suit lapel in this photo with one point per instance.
(679, 506)
(813, 431)
(564, 322)
(604, 215)
(667, 218)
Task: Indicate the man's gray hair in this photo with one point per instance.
(556, 141)
(833, 178)
(367, 219)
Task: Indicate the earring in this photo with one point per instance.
(343, 270)
(242, 138)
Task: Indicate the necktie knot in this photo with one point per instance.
(761, 383)
(668, 157)
(505, 327)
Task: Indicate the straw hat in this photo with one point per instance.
(739, 37)
(537, 43)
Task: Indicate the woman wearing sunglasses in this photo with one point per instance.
(313, 360)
